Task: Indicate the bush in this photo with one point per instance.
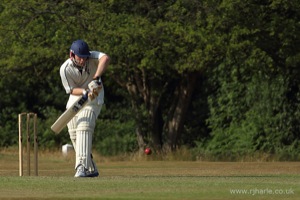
(112, 137)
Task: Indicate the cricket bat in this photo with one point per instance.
(66, 117)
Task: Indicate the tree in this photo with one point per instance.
(244, 55)
(251, 107)
(158, 49)
(35, 38)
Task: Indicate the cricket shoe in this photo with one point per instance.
(94, 173)
(81, 171)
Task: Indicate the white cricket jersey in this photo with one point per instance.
(74, 77)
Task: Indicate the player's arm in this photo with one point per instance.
(78, 91)
(102, 66)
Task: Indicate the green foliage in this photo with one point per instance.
(112, 137)
(47, 139)
(254, 106)
(245, 54)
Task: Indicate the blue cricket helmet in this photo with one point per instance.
(80, 48)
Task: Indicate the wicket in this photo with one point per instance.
(31, 125)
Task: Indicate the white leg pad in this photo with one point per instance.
(83, 150)
(84, 135)
(72, 125)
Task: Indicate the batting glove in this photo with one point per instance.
(95, 87)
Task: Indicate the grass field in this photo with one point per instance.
(148, 179)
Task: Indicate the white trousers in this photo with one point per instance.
(81, 129)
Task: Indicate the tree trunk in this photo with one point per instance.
(140, 139)
(132, 89)
(151, 100)
(156, 126)
(178, 110)
(140, 95)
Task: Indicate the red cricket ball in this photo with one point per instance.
(148, 151)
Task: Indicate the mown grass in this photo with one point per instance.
(148, 179)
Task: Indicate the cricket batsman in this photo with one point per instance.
(81, 76)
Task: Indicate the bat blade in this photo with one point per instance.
(66, 117)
